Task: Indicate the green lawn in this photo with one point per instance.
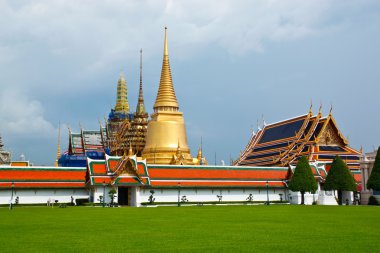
(191, 229)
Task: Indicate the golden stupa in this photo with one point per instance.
(166, 141)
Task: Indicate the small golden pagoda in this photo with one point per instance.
(166, 141)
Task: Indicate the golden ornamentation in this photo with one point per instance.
(166, 130)
(330, 136)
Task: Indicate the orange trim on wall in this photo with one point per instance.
(41, 185)
(42, 175)
(208, 174)
(210, 184)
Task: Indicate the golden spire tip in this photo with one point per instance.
(166, 42)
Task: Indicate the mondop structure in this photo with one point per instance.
(146, 160)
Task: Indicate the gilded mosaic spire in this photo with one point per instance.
(166, 99)
(121, 99)
(140, 103)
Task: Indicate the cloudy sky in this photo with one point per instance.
(233, 64)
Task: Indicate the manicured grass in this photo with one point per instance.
(281, 228)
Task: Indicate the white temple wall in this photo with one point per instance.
(134, 192)
(42, 196)
(163, 195)
(100, 191)
(295, 198)
(322, 198)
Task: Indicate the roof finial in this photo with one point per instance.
(130, 152)
(264, 123)
(331, 108)
(311, 107)
(252, 130)
(320, 108)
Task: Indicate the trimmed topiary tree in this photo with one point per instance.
(339, 178)
(112, 194)
(374, 179)
(303, 179)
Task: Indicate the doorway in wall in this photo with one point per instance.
(122, 196)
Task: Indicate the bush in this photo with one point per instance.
(81, 202)
(372, 201)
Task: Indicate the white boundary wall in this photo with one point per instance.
(42, 196)
(163, 195)
(322, 198)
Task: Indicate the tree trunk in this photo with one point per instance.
(340, 196)
(302, 198)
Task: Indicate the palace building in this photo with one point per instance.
(314, 136)
(149, 161)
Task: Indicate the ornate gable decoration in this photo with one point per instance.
(330, 135)
(127, 166)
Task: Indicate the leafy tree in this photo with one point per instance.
(374, 179)
(340, 178)
(303, 179)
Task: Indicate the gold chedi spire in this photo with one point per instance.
(166, 99)
(58, 146)
(166, 133)
(121, 99)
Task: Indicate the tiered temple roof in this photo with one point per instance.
(42, 177)
(282, 143)
(130, 171)
(87, 143)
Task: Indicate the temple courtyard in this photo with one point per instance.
(244, 228)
